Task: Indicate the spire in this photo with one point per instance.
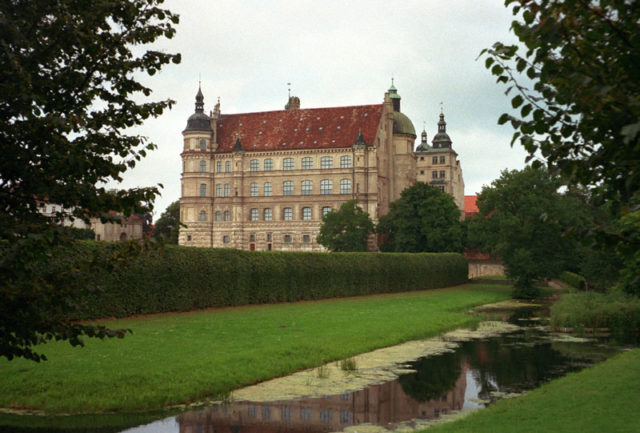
(424, 136)
(238, 146)
(360, 140)
(442, 125)
(199, 100)
(395, 98)
(441, 139)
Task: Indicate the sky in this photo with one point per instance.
(335, 53)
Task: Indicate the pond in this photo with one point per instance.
(465, 376)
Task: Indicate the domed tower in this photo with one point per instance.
(441, 140)
(401, 168)
(196, 199)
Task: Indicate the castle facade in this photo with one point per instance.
(263, 181)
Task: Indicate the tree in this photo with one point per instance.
(68, 92)
(168, 225)
(346, 229)
(524, 219)
(423, 219)
(580, 102)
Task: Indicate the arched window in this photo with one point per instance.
(306, 214)
(345, 161)
(326, 210)
(254, 190)
(307, 187)
(227, 166)
(203, 189)
(203, 144)
(307, 163)
(253, 165)
(254, 215)
(219, 166)
(287, 164)
(227, 215)
(267, 189)
(268, 164)
(268, 214)
(218, 216)
(326, 186)
(203, 165)
(287, 187)
(203, 215)
(326, 162)
(287, 214)
(345, 186)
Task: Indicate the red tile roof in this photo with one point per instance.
(470, 205)
(299, 129)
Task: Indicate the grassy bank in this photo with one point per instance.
(604, 398)
(185, 357)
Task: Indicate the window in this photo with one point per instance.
(421, 171)
(287, 214)
(266, 412)
(345, 161)
(306, 239)
(422, 158)
(219, 166)
(268, 214)
(219, 190)
(307, 187)
(434, 160)
(267, 189)
(285, 411)
(269, 237)
(225, 239)
(203, 189)
(442, 160)
(227, 215)
(326, 186)
(254, 190)
(203, 144)
(307, 163)
(189, 237)
(345, 186)
(287, 239)
(227, 166)
(326, 210)
(253, 165)
(326, 162)
(306, 214)
(441, 188)
(442, 173)
(253, 410)
(227, 190)
(305, 414)
(253, 216)
(434, 174)
(325, 415)
(287, 187)
(218, 216)
(203, 215)
(287, 164)
(345, 417)
(203, 165)
(268, 164)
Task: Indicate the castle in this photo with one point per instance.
(263, 181)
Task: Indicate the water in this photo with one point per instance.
(473, 376)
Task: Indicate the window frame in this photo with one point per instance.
(345, 186)
(326, 162)
(346, 161)
(306, 187)
(287, 187)
(326, 187)
(307, 163)
(288, 164)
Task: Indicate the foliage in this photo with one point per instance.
(423, 219)
(523, 219)
(167, 227)
(583, 111)
(580, 106)
(574, 280)
(346, 229)
(68, 92)
(182, 279)
(617, 311)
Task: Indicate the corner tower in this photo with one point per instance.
(196, 199)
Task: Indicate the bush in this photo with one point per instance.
(574, 280)
(617, 311)
(183, 278)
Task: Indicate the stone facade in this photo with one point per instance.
(262, 181)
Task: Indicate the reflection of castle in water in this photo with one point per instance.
(381, 404)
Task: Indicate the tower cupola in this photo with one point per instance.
(441, 139)
(199, 121)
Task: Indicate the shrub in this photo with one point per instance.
(574, 280)
(617, 311)
(184, 278)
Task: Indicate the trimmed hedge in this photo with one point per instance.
(574, 280)
(177, 278)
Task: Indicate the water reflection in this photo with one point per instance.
(477, 373)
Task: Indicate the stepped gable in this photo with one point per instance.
(314, 128)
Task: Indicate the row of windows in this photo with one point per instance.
(326, 415)
(326, 187)
(267, 214)
(435, 159)
(326, 162)
(434, 174)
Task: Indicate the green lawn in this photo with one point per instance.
(604, 398)
(185, 357)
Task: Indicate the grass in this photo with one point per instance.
(180, 358)
(491, 277)
(604, 398)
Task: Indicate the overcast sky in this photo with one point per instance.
(335, 53)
